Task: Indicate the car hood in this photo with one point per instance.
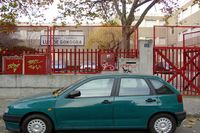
(41, 96)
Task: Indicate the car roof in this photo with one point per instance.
(123, 75)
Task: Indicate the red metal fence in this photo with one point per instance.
(179, 66)
(88, 61)
(73, 60)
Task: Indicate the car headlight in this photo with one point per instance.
(6, 110)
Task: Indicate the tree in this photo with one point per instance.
(197, 1)
(107, 10)
(104, 38)
(12, 10)
(108, 36)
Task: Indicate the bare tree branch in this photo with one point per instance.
(131, 16)
(142, 16)
(142, 3)
(116, 4)
(123, 12)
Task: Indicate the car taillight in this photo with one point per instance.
(180, 98)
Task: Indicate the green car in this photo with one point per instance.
(101, 102)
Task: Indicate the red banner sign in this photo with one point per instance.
(35, 64)
(12, 65)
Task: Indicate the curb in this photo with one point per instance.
(193, 115)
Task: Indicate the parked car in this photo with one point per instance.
(58, 67)
(101, 102)
(88, 66)
(163, 67)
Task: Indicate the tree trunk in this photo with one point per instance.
(125, 37)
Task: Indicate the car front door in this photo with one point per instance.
(134, 103)
(93, 108)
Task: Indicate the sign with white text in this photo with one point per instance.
(63, 40)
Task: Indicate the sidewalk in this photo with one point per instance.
(191, 105)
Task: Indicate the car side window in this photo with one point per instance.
(133, 86)
(160, 88)
(96, 88)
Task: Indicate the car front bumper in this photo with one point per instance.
(12, 123)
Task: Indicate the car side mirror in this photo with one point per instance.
(74, 94)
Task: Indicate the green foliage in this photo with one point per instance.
(8, 17)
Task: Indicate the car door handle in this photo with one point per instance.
(106, 102)
(150, 100)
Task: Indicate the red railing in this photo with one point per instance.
(74, 61)
(87, 60)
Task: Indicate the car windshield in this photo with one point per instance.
(62, 89)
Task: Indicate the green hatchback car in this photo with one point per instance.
(101, 102)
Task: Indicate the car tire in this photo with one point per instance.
(37, 123)
(162, 123)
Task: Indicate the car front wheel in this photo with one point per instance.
(37, 124)
(162, 123)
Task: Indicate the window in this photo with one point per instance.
(160, 88)
(133, 86)
(96, 88)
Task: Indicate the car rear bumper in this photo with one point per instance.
(12, 123)
(180, 117)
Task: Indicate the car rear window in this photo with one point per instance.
(160, 88)
(133, 86)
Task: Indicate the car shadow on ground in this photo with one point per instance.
(96, 131)
(103, 131)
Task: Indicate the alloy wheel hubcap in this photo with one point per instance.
(36, 126)
(163, 125)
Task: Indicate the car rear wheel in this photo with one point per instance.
(37, 124)
(162, 123)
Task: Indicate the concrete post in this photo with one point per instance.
(146, 57)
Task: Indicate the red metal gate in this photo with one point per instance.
(177, 57)
(179, 66)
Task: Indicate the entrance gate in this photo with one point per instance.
(177, 57)
(179, 66)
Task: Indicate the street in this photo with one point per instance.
(190, 125)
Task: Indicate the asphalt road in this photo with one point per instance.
(190, 125)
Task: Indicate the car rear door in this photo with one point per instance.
(93, 109)
(134, 103)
